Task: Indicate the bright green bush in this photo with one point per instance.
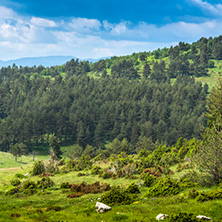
(132, 188)
(118, 196)
(12, 191)
(39, 168)
(96, 170)
(210, 195)
(182, 217)
(165, 186)
(148, 179)
(193, 193)
(15, 182)
(29, 187)
(44, 183)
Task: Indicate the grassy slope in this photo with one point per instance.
(33, 208)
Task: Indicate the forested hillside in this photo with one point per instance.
(149, 94)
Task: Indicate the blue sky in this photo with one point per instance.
(100, 28)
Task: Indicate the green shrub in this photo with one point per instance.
(65, 185)
(96, 170)
(12, 191)
(39, 168)
(210, 195)
(183, 217)
(148, 179)
(132, 188)
(117, 196)
(44, 183)
(15, 182)
(20, 176)
(81, 174)
(29, 187)
(193, 193)
(163, 187)
(107, 175)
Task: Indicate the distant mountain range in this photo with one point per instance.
(46, 61)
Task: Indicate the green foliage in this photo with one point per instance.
(168, 186)
(210, 195)
(96, 170)
(65, 185)
(44, 183)
(193, 193)
(38, 168)
(12, 191)
(55, 148)
(133, 188)
(29, 188)
(148, 179)
(116, 196)
(15, 182)
(183, 217)
(20, 176)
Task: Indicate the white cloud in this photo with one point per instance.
(213, 9)
(24, 36)
(42, 22)
(85, 25)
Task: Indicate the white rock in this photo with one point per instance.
(26, 174)
(203, 217)
(162, 216)
(101, 207)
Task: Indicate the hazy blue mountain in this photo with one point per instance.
(46, 61)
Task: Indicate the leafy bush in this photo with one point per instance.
(51, 167)
(193, 193)
(81, 174)
(132, 188)
(148, 179)
(96, 170)
(44, 183)
(15, 182)
(12, 191)
(163, 187)
(65, 185)
(210, 195)
(20, 176)
(39, 168)
(29, 187)
(107, 175)
(118, 196)
(182, 217)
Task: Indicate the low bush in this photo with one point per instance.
(20, 176)
(96, 170)
(38, 168)
(12, 191)
(193, 193)
(65, 185)
(29, 187)
(118, 196)
(183, 217)
(132, 188)
(89, 188)
(15, 182)
(210, 195)
(163, 187)
(148, 179)
(44, 183)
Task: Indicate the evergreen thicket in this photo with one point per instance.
(130, 97)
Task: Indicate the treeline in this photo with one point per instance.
(183, 59)
(83, 110)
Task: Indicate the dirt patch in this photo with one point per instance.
(10, 169)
